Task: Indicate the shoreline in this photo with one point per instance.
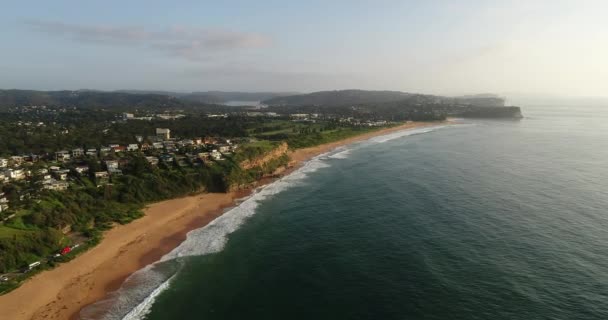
(62, 292)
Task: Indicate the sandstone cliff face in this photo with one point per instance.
(262, 160)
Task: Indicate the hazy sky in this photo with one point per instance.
(443, 47)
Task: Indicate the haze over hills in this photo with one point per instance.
(402, 104)
(358, 97)
(216, 96)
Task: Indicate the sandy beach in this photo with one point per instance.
(62, 292)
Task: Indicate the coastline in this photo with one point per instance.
(62, 292)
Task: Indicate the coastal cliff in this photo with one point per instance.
(264, 159)
(492, 112)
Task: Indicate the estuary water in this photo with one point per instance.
(477, 220)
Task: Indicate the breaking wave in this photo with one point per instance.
(405, 133)
(136, 296)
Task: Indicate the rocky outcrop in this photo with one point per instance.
(264, 159)
(492, 112)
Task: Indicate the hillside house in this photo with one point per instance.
(152, 161)
(92, 152)
(16, 161)
(105, 151)
(62, 156)
(77, 153)
(82, 169)
(112, 164)
(3, 163)
(15, 174)
(132, 147)
(163, 133)
(3, 202)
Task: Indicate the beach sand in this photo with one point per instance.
(62, 292)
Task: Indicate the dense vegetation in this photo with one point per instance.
(88, 208)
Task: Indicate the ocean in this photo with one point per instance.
(479, 219)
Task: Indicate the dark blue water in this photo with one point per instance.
(484, 220)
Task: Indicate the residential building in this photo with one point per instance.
(16, 161)
(112, 164)
(62, 155)
(101, 174)
(92, 152)
(82, 169)
(163, 133)
(3, 202)
(132, 147)
(78, 152)
(152, 160)
(56, 185)
(105, 151)
(15, 174)
(3, 163)
(115, 172)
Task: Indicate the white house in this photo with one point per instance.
(112, 164)
(163, 133)
(82, 169)
(132, 147)
(92, 152)
(62, 155)
(78, 152)
(3, 163)
(15, 174)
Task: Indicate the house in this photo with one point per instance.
(139, 139)
(92, 152)
(132, 147)
(118, 148)
(56, 185)
(78, 152)
(224, 148)
(3, 177)
(128, 116)
(216, 155)
(166, 157)
(163, 133)
(61, 174)
(115, 172)
(105, 151)
(146, 147)
(3, 163)
(15, 174)
(3, 202)
(82, 169)
(152, 160)
(112, 164)
(16, 160)
(62, 156)
(101, 174)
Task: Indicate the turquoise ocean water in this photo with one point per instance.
(477, 220)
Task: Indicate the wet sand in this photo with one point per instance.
(62, 292)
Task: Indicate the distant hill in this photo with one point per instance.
(92, 99)
(87, 99)
(338, 98)
(363, 97)
(216, 96)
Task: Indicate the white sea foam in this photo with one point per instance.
(405, 133)
(213, 237)
(340, 153)
(148, 283)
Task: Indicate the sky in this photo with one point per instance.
(557, 47)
